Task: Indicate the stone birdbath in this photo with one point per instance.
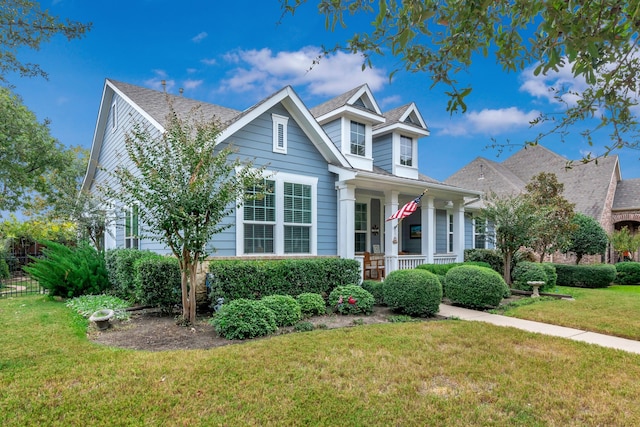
(535, 284)
(101, 318)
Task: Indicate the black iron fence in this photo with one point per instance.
(19, 282)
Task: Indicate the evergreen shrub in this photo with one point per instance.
(351, 299)
(375, 288)
(122, 274)
(233, 279)
(413, 292)
(527, 271)
(475, 287)
(157, 281)
(311, 304)
(441, 269)
(628, 273)
(243, 318)
(552, 276)
(586, 276)
(492, 257)
(69, 271)
(285, 307)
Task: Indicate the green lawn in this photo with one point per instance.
(411, 374)
(613, 311)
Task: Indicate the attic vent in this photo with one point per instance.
(360, 103)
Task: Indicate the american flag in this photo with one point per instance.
(407, 209)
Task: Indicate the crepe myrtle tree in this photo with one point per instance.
(183, 184)
(595, 43)
(514, 219)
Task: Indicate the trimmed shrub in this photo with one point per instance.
(441, 269)
(413, 292)
(351, 299)
(552, 276)
(492, 257)
(157, 281)
(586, 276)
(233, 279)
(628, 273)
(120, 265)
(69, 271)
(243, 318)
(285, 307)
(475, 287)
(528, 272)
(311, 304)
(375, 288)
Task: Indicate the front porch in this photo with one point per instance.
(435, 233)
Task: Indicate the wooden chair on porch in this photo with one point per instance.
(371, 265)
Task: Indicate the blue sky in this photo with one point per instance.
(234, 54)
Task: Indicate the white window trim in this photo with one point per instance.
(277, 121)
(360, 162)
(450, 232)
(135, 238)
(278, 234)
(413, 151)
(114, 116)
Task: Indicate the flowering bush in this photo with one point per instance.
(351, 299)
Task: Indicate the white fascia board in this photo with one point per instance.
(136, 107)
(414, 109)
(403, 128)
(343, 174)
(364, 90)
(353, 112)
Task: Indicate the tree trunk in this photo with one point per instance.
(578, 258)
(506, 272)
(192, 292)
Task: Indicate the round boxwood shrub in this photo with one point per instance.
(552, 275)
(413, 292)
(375, 288)
(475, 287)
(285, 307)
(311, 304)
(243, 318)
(628, 273)
(526, 271)
(351, 299)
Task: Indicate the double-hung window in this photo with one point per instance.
(280, 217)
(357, 139)
(450, 234)
(406, 151)
(131, 231)
(260, 218)
(297, 218)
(479, 233)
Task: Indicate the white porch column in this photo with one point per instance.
(390, 231)
(346, 219)
(428, 219)
(458, 229)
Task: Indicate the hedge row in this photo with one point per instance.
(586, 276)
(442, 269)
(234, 279)
(628, 273)
(144, 277)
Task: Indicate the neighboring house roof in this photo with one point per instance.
(627, 195)
(585, 185)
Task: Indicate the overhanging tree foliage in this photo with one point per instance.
(587, 238)
(28, 153)
(184, 185)
(625, 242)
(596, 41)
(24, 25)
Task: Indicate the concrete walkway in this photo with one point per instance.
(541, 328)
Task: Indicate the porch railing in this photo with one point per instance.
(407, 262)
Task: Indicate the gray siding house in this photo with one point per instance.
(348, 165)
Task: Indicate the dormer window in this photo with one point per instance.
(279, 133)
(406, 151)
(357, 139)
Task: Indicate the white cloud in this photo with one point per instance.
(489, 122)
(192, 84)
(264, 71)
(209, 61)
(156, 81)
(201, 36)
(547, 87)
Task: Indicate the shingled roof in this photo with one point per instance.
(154, 103)
(627, 195)
(585, 185)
